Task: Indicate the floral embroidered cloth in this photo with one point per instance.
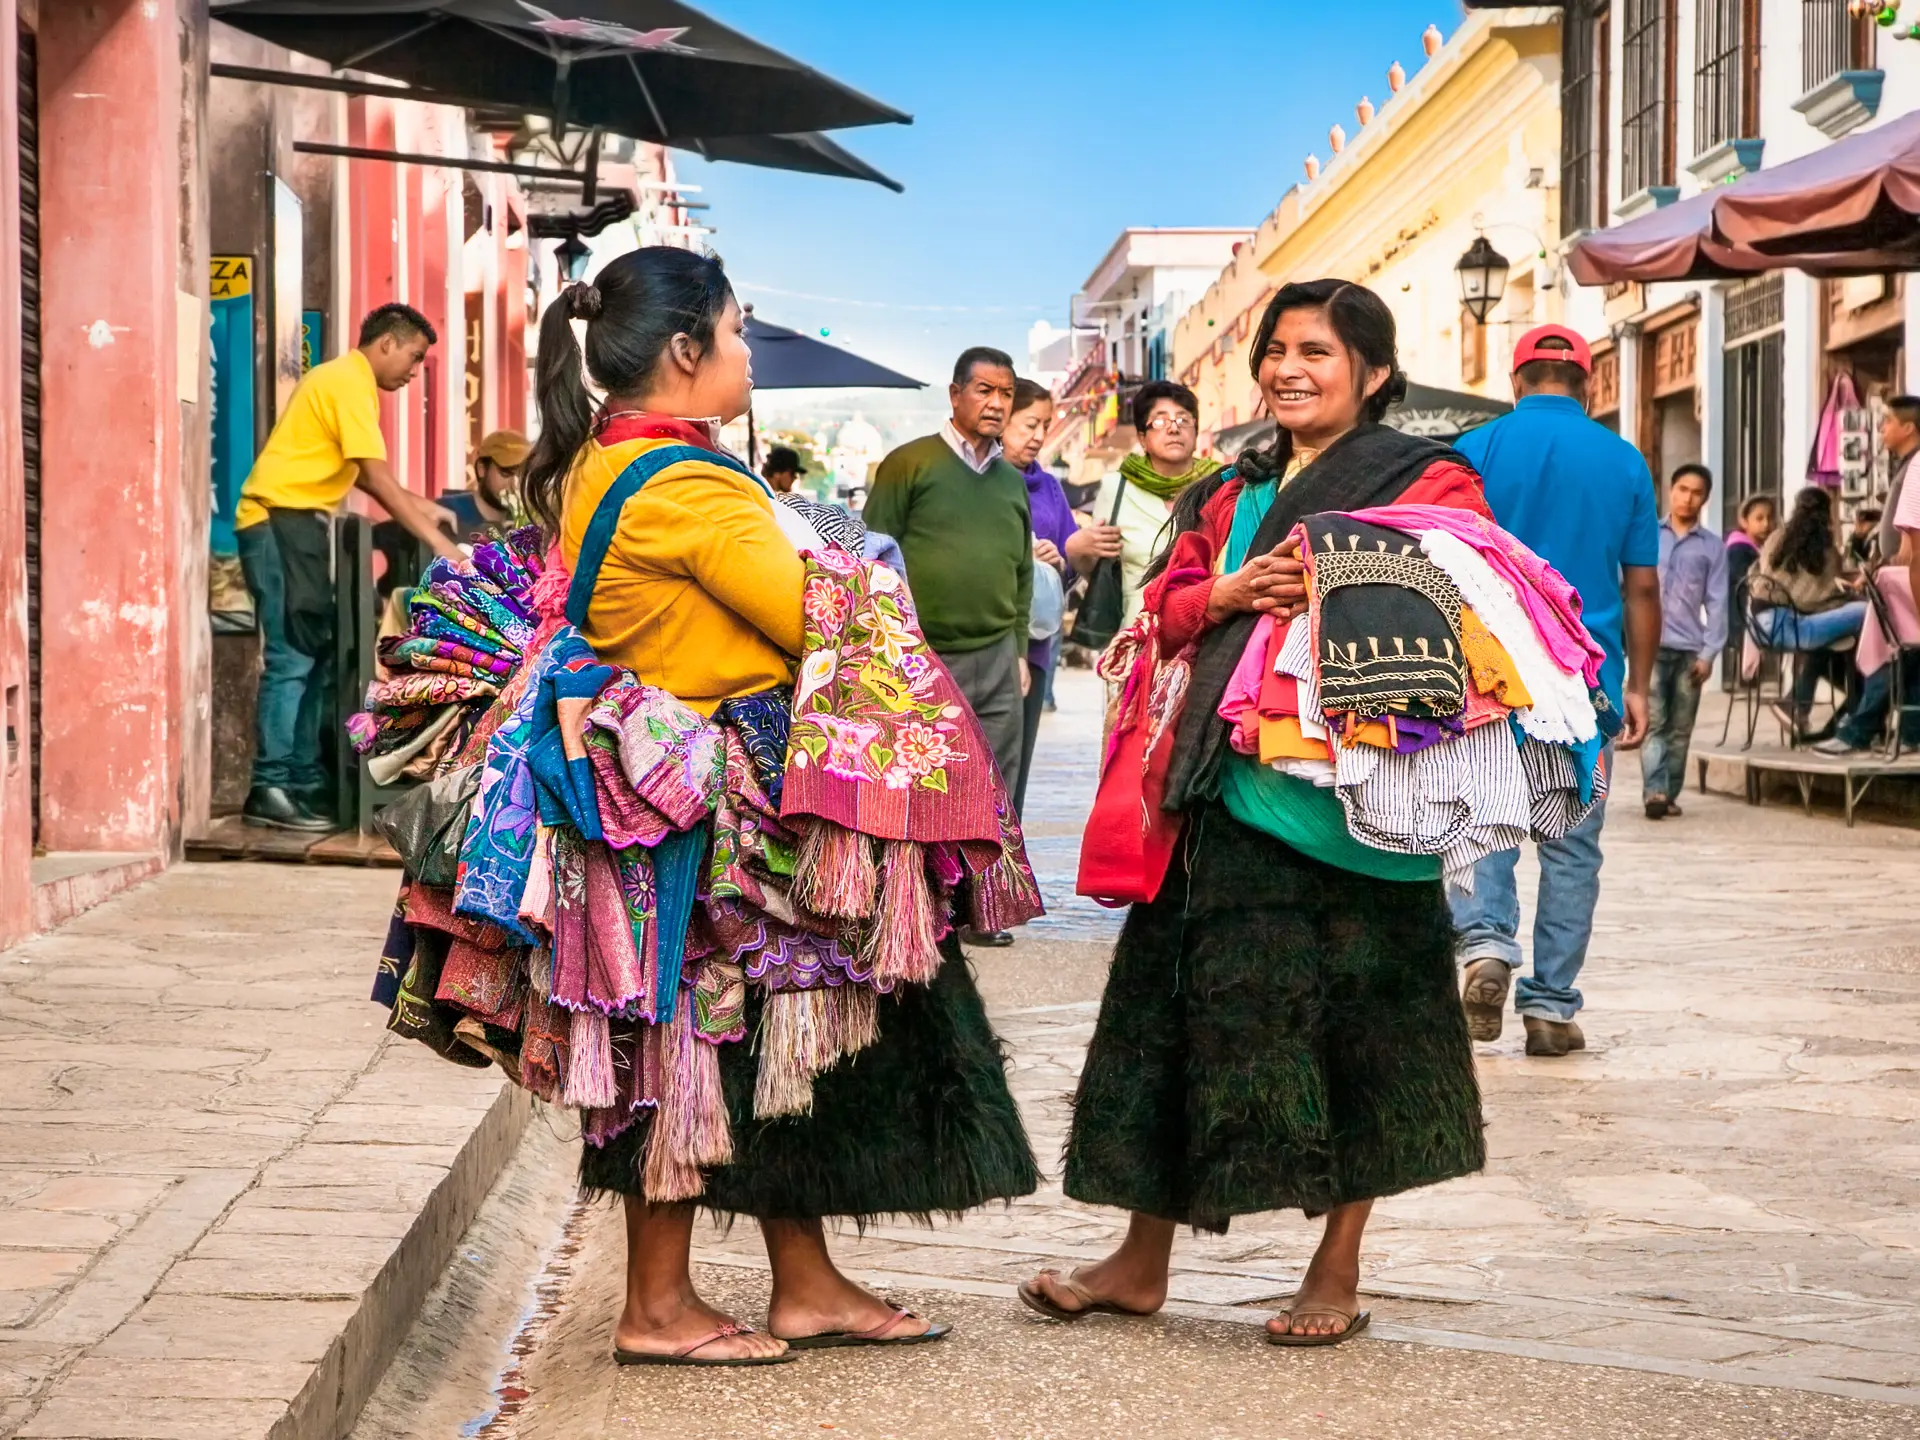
(882, 741)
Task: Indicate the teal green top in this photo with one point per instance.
(1297, 812)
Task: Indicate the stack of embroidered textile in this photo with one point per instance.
(1440, 682)
(631, 868)
(469, 626)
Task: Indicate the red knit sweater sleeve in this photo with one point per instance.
(1179, 596)
(1445, 482)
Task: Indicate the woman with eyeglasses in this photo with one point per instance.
(1167, 417)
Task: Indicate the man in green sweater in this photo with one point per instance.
(960, 514)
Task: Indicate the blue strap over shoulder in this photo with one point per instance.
(606, 516)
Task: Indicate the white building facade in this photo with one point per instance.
(1662, 99)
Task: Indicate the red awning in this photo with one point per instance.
(1674, 243)
(1862, 193)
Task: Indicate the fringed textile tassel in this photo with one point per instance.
(834, 871)
(540, 971)
(855, 1017)
(690, 1130)
(590, 1079)
(796, 1044)
(803, 1033)
(903, 942)
(549, 595)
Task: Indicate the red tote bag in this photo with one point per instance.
(1130, 840)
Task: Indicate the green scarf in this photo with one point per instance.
(1138, 470)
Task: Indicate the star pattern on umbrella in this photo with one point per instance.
(607, 32)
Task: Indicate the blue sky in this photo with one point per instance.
(1041, 130)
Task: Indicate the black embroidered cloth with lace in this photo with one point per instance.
(1389, 622)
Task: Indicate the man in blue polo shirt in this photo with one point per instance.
(1582, 499)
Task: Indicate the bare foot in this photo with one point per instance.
(1324, 1301)
(1111, 1281)
(667, 1331)
(836, 1306)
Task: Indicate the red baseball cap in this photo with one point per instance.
(1575, 352)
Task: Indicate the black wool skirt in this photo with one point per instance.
(1275, 1034)
(919, 1123)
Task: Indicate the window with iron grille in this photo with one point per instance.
(1646, 101)
(1583, 123)
(1833, 39)
(1726, 73)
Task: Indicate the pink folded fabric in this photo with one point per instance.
(1551, 603)
(1896, 584)
(1240, 706)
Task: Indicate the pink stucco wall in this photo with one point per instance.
(112, 624)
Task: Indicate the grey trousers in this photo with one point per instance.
(990, 679)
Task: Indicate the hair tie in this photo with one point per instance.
(583, 301)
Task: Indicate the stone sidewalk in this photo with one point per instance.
(1722, 1186)
(216, 1218)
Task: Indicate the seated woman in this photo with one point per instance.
(1800, 603)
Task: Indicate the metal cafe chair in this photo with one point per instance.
(1772, 658)
(1905, 663)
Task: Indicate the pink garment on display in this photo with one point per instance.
(1896, 584)
(1551, 603)
(1240, 706)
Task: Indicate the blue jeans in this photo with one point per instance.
(1489, 919)
(296, 691)
(1864, 723)
(1672, 704)
(1790, 630)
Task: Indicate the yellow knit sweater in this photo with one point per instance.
(700, 592)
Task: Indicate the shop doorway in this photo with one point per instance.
(1754, 369)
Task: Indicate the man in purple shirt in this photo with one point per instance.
(1693, 631)
(1053, 531)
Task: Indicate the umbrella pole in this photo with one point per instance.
(753, 439)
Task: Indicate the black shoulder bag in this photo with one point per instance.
(1104, 605)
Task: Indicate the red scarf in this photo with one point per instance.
(612, 429)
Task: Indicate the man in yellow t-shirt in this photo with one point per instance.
(327, 443)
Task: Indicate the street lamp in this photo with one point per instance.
(1483, 278)
(572, 255)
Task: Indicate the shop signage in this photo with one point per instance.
(231, 288)
(313, 338)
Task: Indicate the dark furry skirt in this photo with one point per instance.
(921, 1122)
(1275, 1034)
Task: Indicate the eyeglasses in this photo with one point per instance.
(1174, 424)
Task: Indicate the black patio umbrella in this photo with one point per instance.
(1443, 414)
(655, 70)
(810, 154)
(785, 359)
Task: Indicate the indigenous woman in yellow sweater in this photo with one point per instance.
(699, 593)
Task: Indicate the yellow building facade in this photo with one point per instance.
(1470, 144)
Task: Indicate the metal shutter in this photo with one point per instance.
(28, 90)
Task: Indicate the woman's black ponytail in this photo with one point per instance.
(566, 409)
(633, 310)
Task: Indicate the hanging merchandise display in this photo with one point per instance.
(630, 872)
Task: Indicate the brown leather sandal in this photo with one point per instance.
(686, 1354)
(847, 1339)
(1037, 1299)
(1357, 1321)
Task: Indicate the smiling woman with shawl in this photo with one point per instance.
(1280, 1028)
(1133, 509)
(687, 575)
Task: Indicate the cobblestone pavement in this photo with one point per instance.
(1718, 1195)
